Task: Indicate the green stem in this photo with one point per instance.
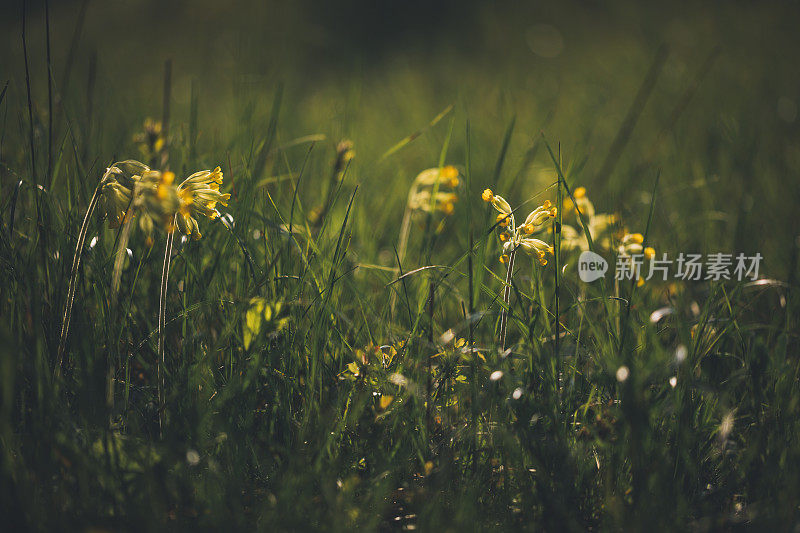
(73, 277)
(507, 299)
(162, 308)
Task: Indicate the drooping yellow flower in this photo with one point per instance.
(117, 188)
(631, 244)
(584, 205)
(157, 199)
(199, 195)
(450, 173)
(440, 183)
(598, 224)
(515, 236)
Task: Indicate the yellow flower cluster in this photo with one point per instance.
(631, 244)
(199, 195)
(434, 190)
(600, 227)
(116, 191)
(130, 188)
(515, 236)
(598, 224)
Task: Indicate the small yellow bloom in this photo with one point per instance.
(504, 259)
(450, 174)
(535, 247)
(649, 252)
(637, 238)
(385, 401)
(163, 185)
(501, 204)
(580, 192)
(441, 181)
(487, 195)
(502, 220)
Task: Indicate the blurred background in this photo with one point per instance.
(707, 92)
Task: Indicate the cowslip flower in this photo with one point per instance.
(598, 224)
(631, 244)
(156, 198)
(116, 191)
(515, 236)
(582, 202)
(433, 190)
(199, 195)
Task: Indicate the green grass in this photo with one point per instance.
(297, 396)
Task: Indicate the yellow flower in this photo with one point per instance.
(631, 244)
(116, 203)
(438, 180)
(637, 238)
(538, 217)
(116, 190)
(157, 199)
(450, 173)
(649, 252)
(513, 236)
(501, 204)
(199, 195)
(581, 200)
(535, 247)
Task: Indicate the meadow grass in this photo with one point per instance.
(331, 355)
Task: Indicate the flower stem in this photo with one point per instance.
(507, 298)
(73, 277)
(162, 308)
(119, 260)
